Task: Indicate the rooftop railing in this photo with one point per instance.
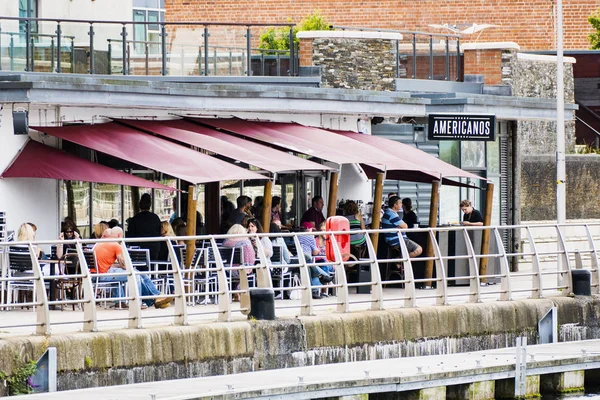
(204, 287)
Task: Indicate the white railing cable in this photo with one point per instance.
(537, 291)
(474, 282)
(505, 286)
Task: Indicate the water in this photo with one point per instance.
(587, 396)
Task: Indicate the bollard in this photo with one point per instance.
(262, 304)
(582, 282)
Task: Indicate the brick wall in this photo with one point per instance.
(530, 23)
(486, 62)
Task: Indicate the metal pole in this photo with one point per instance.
(91, 33)
(457, 59)
(163, 49)
(430, 57)
(58, 46)
(561, 214)
(52, 55)
(12, 53)
(249, 52)
(124, 44)
(109, 57)
(447, 58)
(414, 76)
(27, 42)
(397, 59)
(292, 53)
(205, 51)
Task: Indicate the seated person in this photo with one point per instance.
(109, 258)
(165, 231)
(254, 226)
(410, 218)
(278, 241)
(26, 233)
(471, 217)
(392, 219)
(99, 229)
(309, 249)
(358, 241)
(244, 243)
(68, 232)
(314, 215)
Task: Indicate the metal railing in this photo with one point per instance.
(126, 29)
(35, 42)
(421, 60)
(542, 273)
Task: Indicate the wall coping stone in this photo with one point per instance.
(349, 35)
(544, 58)
(490, 46)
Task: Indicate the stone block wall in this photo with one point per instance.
(367, 64)
(538, 187)
(530, 77)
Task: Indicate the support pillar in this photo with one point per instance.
(212, 211)
(268, 201)
(505, 388)
(433, 214)
(191, 225)
(333, 190)
(572, 381)
(71, 201)
(135, 200)
(484, 390)
(376, 219)
(485, 234)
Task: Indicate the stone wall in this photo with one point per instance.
(538, 187)
(537, 79)
(145, 355)
(367, 64)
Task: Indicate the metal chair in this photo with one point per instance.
(19, 266)
(279, 272)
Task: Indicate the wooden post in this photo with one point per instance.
(333, 189)
(70, 201)
(191, 226)
(212, 211)
(433, 214)
(485, 234)
(376, 216)
(267, 202)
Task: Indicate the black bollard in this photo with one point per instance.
(582, 282)
(262, 304)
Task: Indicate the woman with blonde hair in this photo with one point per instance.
(99, 229)
(26, 233)
(166, 230)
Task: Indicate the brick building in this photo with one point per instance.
(530, 24)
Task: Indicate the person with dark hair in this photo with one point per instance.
(410, 218)
(112, 223)
(358, 242)
(257, 208)
(471, 217)
(67, 232)
(244, 204)
(392, 219)
(227, 208)
(254, 226)
(145, 224)
(314, 214)
(278, 241)
(276, 210)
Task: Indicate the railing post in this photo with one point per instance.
(292, 52)
(12, 53)
(224, 298)
(537, 289)
(205, 50)
(180, 299)
(263, 272)
(89, 296)
(447, 58)
(306, 300)
(340, 273)
(230, 63)
(262, 63)
(414, 44)
(182, 60)
(215, 62)
(109, 56)
(163, 49)
(27, 42)
(91, 33)
(124, 43)
(409, 287)
(505, 285)
(441, 286)
(430, 57)
(72, 54)
(377, 287)
(474, 285)
(200, 61)
(249, 52)
(147, 58)
(135, 304)
(397, 59)
(42, 310)
(457, 59)
(58, 45)
(566, 264)
(52, 55)
(278, 64)
(32, 54)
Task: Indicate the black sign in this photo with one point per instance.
(462, 127)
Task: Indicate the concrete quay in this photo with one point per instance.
(480, 375)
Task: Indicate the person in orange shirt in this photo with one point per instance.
(109, 258)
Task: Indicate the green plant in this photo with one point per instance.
(594, 19)
(19, 382)
(279, 38)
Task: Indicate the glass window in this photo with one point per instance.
(493, 149)
(496, 201)
(149, 3)
(80, 193)
(153, 17)
(449, 205)
(164, 200)
(23, 14)
(449, 152)
(472, 154)
(106, 202)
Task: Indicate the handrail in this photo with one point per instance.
(191, 283)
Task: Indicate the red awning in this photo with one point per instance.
(151, 152)
(36, 160)
(320, 143)
(410, 153)
(227, 145)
